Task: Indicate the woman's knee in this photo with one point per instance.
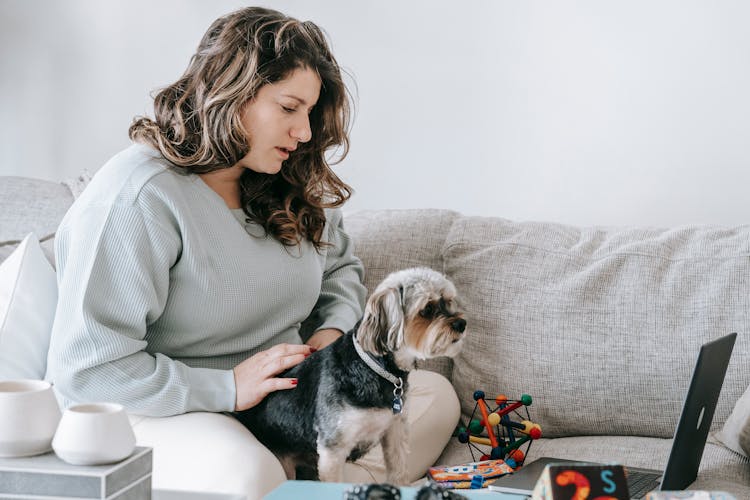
(208, 452)
(433, 399)
(432, 418)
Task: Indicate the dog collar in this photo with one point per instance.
(398, 383)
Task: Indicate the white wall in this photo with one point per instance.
(584, 112)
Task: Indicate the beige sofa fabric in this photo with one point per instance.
(601, 326)
(31, 205)
(735, 434)
(390, 240)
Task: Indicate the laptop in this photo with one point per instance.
(689, 438)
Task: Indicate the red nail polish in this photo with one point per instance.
(312, 349)
(294, 381)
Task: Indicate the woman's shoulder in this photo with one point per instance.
(335, 229)
(127, 174)
(333, 214)
(334, 218)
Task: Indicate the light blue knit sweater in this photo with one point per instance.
(163, 289)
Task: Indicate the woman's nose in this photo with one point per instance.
(302, 131)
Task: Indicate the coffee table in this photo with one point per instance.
(313, 490)
(46, 476)
(192, 495)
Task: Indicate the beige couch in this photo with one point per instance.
(600, 325)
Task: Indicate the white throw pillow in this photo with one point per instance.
(735, 434)
(28, 298)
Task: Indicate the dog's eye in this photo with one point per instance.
(428, 311)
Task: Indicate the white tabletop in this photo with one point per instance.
(192, 495)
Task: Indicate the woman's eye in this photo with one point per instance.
(288, 110)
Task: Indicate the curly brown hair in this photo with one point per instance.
(197, 119)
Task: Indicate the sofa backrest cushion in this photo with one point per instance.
(31, 205)
(601, 326)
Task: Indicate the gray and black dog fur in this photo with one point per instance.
(341, 408)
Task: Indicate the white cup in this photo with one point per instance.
(94, 434)
(28, 417)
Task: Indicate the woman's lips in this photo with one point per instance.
(283, 153)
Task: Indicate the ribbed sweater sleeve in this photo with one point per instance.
(114, 276)
(342, 294)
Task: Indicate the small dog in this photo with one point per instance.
(349, 395)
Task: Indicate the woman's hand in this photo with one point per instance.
(322, 338)
(255, 377)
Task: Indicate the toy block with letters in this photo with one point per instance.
(576, 481)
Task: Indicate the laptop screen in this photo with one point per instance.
(697, 413)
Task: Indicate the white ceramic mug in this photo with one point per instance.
(94, 434)
(29, 415)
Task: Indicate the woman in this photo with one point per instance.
(190, 262)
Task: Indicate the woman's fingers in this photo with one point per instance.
(284, 350)
(256, 377)
(284, 356)
(279, 384)
(290, 349)
(274, 366)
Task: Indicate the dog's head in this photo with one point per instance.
(413, 314)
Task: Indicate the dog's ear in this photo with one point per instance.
(382, 326)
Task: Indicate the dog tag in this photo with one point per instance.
(396, 405)
(398, 391)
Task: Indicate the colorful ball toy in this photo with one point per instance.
(496, 429)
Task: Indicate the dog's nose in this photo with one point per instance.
(459, 325)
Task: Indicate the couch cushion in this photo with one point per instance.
(735, 434)
(28, 297)
(390, 240)
(601, 326)
(31, 205)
